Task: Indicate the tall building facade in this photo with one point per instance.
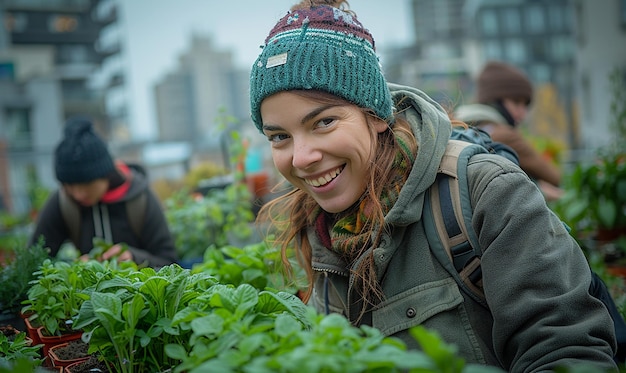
(50, 53)
(437, 62)
(536, 36)
(204, 87)
(600, 36)
(454, 39)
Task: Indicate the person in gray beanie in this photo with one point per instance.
(102, 198)
(503, 96)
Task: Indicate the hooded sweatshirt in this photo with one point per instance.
(109, 221)
(536, 279)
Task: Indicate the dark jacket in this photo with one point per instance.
(535, 277)
(154, 247)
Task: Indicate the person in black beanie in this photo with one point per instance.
(503, 96)
(102, 198)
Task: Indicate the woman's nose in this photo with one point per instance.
(305, 153)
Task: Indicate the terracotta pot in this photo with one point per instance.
(32, 331)
(616, 270)
(610, 235)
(49, 341)
(86, 366)
(10, 331)
(46, 366)
(57, 360)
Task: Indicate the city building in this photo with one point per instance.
(57, 59)
(600, 36)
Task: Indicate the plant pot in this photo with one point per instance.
(610, 234)
(91, 364)
(617, 270)
(33, 331)
(10, 332)
(46, 366)
(49, 341)
(64, 354)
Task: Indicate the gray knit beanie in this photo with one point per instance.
(320, 48)
(81, 156)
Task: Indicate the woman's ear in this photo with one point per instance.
(379, 125)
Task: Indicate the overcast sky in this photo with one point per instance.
(158, 31)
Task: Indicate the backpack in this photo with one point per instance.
(135, 209)
(448, 224)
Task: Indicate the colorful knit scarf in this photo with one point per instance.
(347, 237)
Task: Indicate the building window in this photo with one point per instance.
(515, 51)
(15, 22)
(489, 22)
(511, 22)
(535, 20)
(17, 128)
(540, 73)
(73, 53)
(561, 48)
(61, 23)
(558, 18)
(493, 50)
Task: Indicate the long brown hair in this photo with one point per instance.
(291, 213)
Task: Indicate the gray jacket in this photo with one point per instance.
(535, 276)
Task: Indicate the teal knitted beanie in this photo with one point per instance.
(320, 48)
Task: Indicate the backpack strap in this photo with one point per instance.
(136, 210)
(71, 215)
(448, 219)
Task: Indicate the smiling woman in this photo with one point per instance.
(361, 156)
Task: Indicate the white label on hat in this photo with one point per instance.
(277, 60)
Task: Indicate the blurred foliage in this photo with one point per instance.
(548, 120)
(202, 171)
(16, 271)
(199, 221)
(617, 80)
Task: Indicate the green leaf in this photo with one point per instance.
(208, 325)
(175, 351)
(607, 212)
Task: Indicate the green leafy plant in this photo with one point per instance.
(243, 330)
(595, 195)
(127, 318)
(17, 273)
(233, 324)
(55, 296)
(257, 264)
(18, 347)
(198, 222)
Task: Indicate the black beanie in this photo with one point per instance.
(82, 156)
(499, 80)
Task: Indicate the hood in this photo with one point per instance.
(138, 184)
(432, 129)
(476, 113)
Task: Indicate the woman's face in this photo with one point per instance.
(88, 194)
(323, 149)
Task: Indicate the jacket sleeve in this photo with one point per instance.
(50, 226)
(536, 278)
(157, 242)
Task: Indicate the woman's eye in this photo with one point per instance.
(277, 137)
(326, 122)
